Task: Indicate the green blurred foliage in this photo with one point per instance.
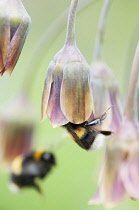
(74, 180)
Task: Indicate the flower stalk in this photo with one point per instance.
(104, 85)
(70, 38)
(44, 43)
(101, 29)
(130, 107)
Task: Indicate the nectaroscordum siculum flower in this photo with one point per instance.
(14, 26)
(119, 177)
(17, 123)
(106, 94)
(104, 87)
(67, 96)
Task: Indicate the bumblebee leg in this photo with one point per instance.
(37, 187)
(96, 121)
(104, 115)
(106, 133)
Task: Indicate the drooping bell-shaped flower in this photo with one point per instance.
(104, 86)
(120, 170)
(106, 94)
(14, 26)
(67, 95)
(17, 121)
(119, 177)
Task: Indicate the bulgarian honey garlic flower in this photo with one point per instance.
(14, 26)
(67, 96)
(106, 94)
(119, 177)
(17, 121)
(120, 172)
(104, 87)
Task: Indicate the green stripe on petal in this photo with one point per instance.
(76, 96)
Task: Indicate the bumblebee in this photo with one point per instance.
(86, 134)
(25, 169)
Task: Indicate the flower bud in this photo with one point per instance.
(14, 26)
(16, 128)
(67, 95)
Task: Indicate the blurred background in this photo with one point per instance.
(73, 181)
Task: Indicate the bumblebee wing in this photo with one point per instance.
(37, 168)
(31, 168)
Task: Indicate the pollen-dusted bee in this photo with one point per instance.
(25, 169)
(86, 134)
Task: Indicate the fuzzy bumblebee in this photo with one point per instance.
(25, 169)
(86, 134)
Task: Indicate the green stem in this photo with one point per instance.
(70, 38)
(131, 102)
(130, 52)
(43, 44)
(101, 30)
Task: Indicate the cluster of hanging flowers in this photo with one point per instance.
(76, 96)
(120, 169)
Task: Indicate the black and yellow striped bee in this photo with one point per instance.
(86, 134)
(25, 169)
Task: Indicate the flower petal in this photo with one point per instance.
(76, 96)
(47, 89)
(17, 43)
(101, 101)
(116, 109)
(4, 41)
(53, 109)
(19, 136)
(118, 191)
(111, 190)
(130, 176)
(111, 187)
(96, 198)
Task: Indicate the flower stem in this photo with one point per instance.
(70, 38)
(101, 30)
(43, 45)
(131, 102)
